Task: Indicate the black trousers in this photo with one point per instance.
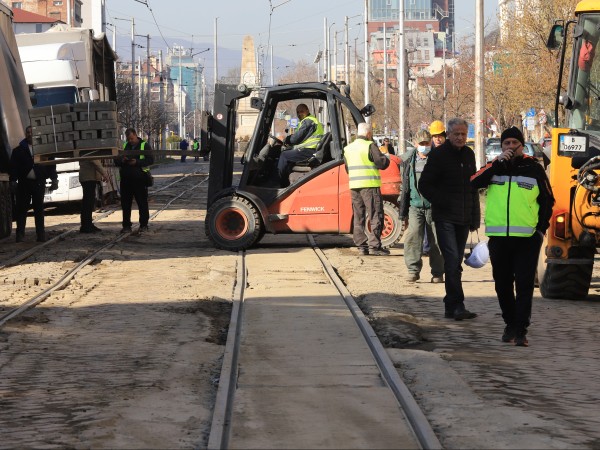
(130, 189)
(452, 240)
(514, 262)
(30, 192)
(87, 203)
(367, 203)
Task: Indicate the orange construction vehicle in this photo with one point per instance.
(566, 263)
(318, 197)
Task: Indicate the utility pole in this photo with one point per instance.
(161, 95)
(346, 52)
(367, 98)
(444, 63)
(324, 48)
(272, 76)
(401, 81)
(132, 70)
(479, 86)
(69, 13)
(385, 82)
(140, 95)
(335, 45)
(148, 74)
(180, 95)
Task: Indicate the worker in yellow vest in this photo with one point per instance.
(134, 176)
(363, 161)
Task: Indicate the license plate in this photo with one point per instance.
(569, 143)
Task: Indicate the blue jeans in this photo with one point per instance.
(452, 240)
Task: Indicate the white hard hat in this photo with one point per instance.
(479, 256)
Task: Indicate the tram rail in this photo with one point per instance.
(64, 280)
(222, 423)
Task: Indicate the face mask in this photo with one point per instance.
(424, 149)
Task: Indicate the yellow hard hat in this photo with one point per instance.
(437, 127)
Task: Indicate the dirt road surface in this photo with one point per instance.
(128, 355)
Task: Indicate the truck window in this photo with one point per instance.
(585, 88)
(55, 96)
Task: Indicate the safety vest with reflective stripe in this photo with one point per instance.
(142, 146)
(362, 172)
(313, 139)
(511, 206)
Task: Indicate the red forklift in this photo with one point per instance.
(317, 199)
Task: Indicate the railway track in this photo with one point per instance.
(66, 271)
(236, 374)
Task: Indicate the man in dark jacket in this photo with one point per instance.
(445, 182)
(133, 180)
(517, 215)
(30, 182)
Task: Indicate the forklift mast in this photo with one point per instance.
(222, 137)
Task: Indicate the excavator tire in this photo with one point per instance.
(566, 281)
(233, 223)
(5, 209)
(393, 227)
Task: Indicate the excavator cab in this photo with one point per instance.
(317, 199)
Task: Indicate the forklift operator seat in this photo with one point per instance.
(322, 154)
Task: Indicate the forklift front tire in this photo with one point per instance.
(233, 223)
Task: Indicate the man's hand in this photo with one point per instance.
(474, 227)
(54, 185)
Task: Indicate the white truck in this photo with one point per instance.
(14, 103)
(69, 65)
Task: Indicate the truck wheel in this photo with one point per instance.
(5, 209)
(233, 223)
(566, 281)
(393, 227)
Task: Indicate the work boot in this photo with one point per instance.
(461, 314)
(20, 236)
(380, 252)
(362, 251)
(413, 277)
(439, 279)
(521, 339)
(41, 237)
(143, 228)
(126, 229)
(509, 334)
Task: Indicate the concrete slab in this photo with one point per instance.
(307, 378)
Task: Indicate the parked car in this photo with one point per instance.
(530, 148)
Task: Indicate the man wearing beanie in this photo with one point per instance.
(517, 214)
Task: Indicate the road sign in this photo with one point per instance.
(530, 112)
(542, 118)
(531, 123)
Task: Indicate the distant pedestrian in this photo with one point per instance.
(416, 210)
(363, 161)
(134, 180)
(183, 146)
(437, 130)
(517, 214)
(387, 147)
(91, 172)
(445, 183)
(30, 180)
(196, 149)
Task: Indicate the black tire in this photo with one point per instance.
(233, 223)
(5, 209)
(566, 281)
(393, 227)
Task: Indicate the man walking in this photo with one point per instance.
(445, 183)
(415, 209)
(304, 142)
(90, 173)
(517, 214)
(30, 182)
(363, 161)
(133, 180)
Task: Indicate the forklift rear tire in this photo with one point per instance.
(233, 223)
(393, 227)
(566, 281)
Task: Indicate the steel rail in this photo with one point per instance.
(27, 253)
(222, 412)
(66, 278)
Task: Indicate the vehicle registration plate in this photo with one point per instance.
(568, 143)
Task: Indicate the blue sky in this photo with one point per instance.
(296, 26)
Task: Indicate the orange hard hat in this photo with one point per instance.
(437, 127)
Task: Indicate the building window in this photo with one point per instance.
(17, 5)
(38, 28)
(57, 2)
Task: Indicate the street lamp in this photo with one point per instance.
(328, 51)
(347, 48)
(132, 20)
